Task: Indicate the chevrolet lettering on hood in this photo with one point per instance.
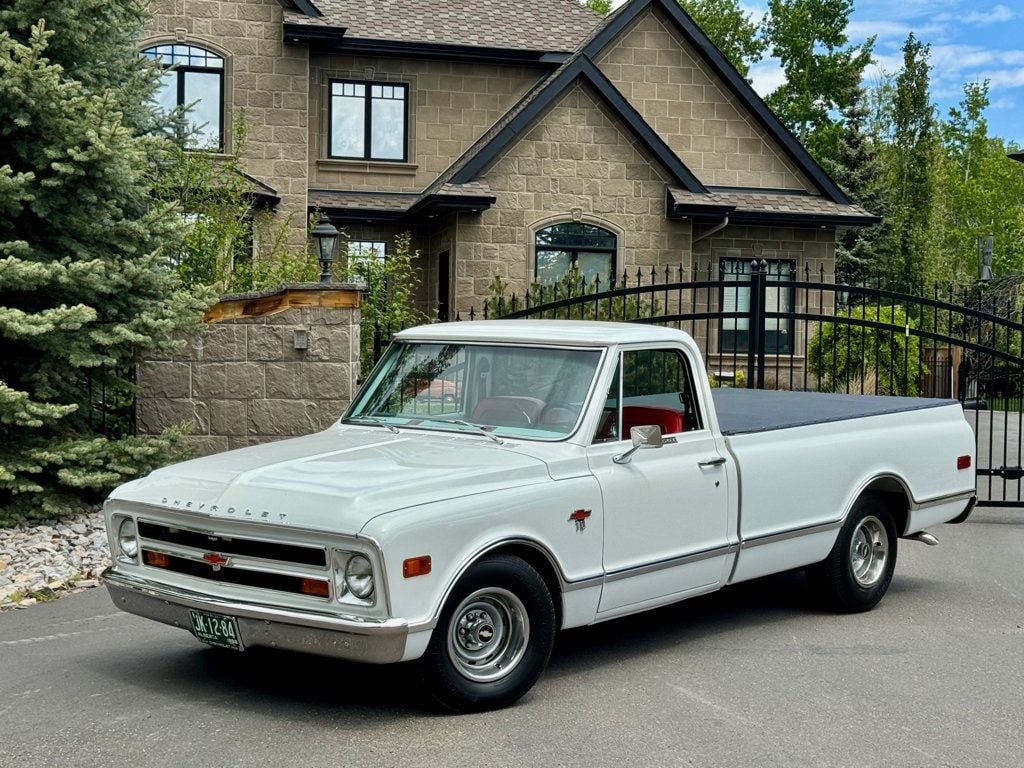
(214, 509)
(493, 482)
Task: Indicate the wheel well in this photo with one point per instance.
(542, 565)
(896, 497)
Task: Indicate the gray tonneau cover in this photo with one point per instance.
(743, 411)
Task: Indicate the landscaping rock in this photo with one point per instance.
(51, 559)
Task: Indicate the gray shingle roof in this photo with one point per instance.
(369, 201)
(531, 25)
(753, 201)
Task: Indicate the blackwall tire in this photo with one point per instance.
(857, 572)
(493, 637)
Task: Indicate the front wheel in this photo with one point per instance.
(493, 638)
(858, 570)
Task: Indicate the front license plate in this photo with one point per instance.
(214, 629)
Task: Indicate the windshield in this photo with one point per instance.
(512, 391)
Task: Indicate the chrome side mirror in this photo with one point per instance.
(646, 436)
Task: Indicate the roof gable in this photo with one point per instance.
(542, 98)
(581, 65)
(621, 21)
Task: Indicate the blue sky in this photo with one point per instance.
(970, 41)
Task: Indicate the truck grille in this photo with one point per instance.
(205, 542)
(293, 568)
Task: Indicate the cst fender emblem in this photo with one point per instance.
(580, 518)
(215, 560)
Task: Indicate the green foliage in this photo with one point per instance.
(731, 28)
(230, 244)
(809, 39)
(861, 254)
(912, 174)
(602, 7)
(85, 281)
(847, 357)
(388, 298)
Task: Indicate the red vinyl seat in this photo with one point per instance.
(670, 421)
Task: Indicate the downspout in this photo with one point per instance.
(717, 228)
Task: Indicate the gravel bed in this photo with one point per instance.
(51, 559)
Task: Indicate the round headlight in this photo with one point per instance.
(359, 576)
(127, 539)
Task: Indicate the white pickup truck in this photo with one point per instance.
(493, 482)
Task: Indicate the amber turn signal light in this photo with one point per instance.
(315, 587)
(416, 566)
(156, 559)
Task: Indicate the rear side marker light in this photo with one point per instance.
(156, 559)
(315, 587)
(963, 462)
(416, 566)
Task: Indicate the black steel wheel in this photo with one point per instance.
(493, 638)
(857, 572)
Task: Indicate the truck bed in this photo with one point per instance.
(746, 411)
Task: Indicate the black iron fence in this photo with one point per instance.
(768, 325)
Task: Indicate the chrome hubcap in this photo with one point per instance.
(488, 634)
(869, 551)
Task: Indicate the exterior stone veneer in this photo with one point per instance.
(241, 381)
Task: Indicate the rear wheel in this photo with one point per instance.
(493, 638)
(859, 569)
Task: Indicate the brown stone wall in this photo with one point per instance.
(451, 104)
(265, 80)
(580, 163)
(710, 130)
(241, 381)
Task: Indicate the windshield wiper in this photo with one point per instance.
(373, 420)
(463, 423)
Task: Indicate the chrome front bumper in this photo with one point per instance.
(373, 641)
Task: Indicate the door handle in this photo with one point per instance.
(715, 462)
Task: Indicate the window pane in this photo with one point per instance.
(167, 92)
(203, 88)
(348, 125)
(595, 265)
(388, 129)
(551, 265)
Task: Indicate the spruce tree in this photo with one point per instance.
(860, 253)
(85, 280)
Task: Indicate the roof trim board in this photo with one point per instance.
(618, 23)
(307, 8)
(432, 50)
(577, 68)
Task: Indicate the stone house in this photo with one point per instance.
(511, 139)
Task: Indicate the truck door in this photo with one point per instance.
(666, 509)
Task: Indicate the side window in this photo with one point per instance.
(657, 388)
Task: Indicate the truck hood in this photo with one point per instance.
(336, 480)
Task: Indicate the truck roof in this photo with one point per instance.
(568, 332)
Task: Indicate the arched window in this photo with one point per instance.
(193, 76)
(588, 248)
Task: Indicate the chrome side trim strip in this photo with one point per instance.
(947, 499)
(674, 562)
(590, 581)
(774, 538)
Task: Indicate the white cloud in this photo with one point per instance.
(1005, 103)
(766, 76)
(997, 15)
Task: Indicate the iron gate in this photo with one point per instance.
(761, 327)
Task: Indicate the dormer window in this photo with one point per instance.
(368, 120)
(193, 76)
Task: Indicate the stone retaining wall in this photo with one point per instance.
(243, 381)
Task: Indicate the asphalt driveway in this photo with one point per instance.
(749, 677)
